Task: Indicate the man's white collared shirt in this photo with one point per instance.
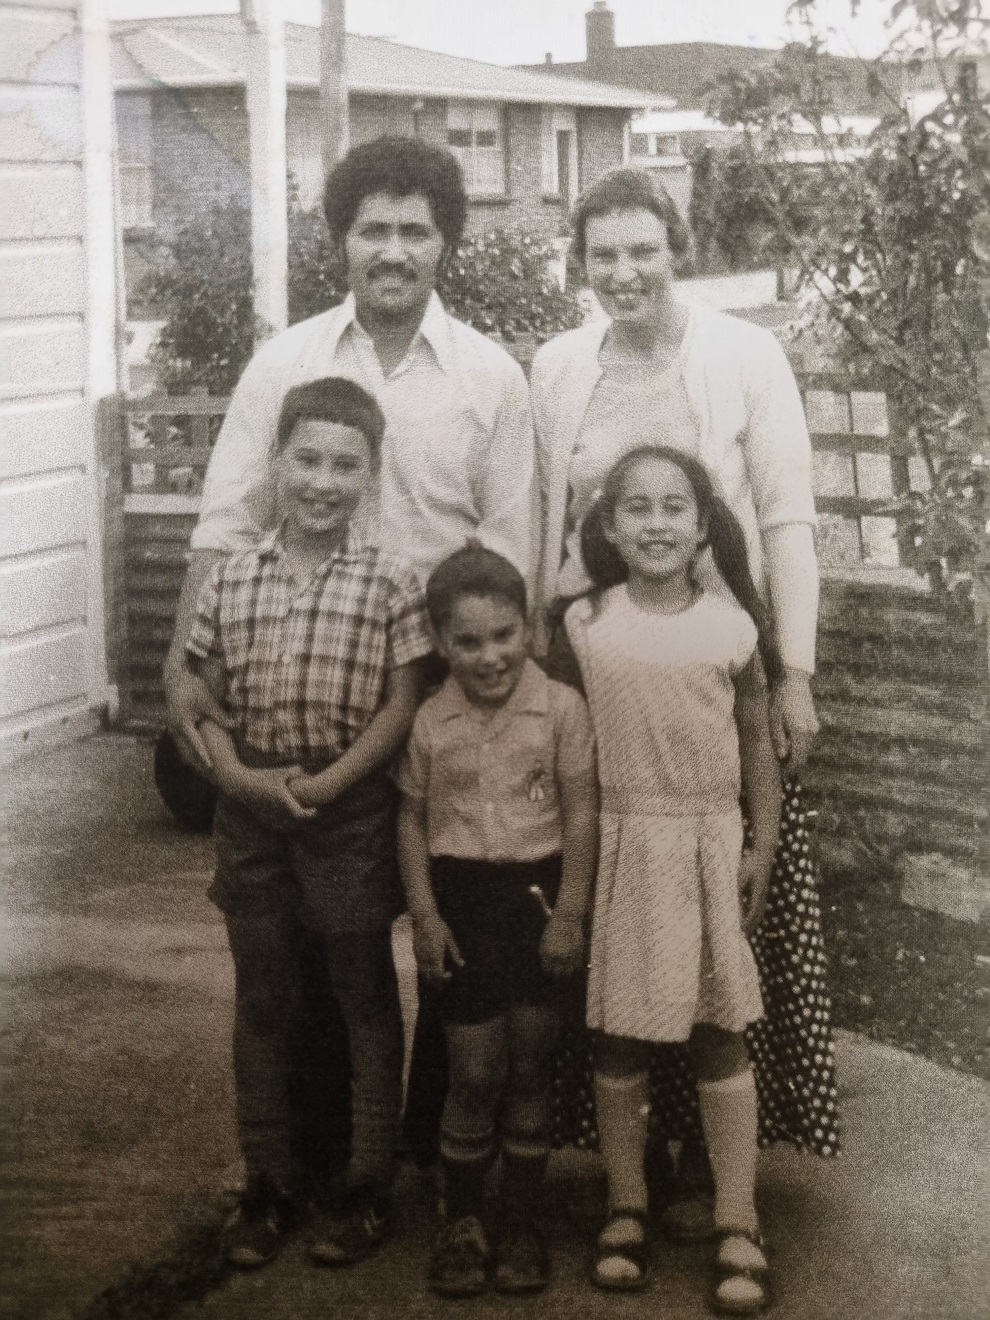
(457, 458)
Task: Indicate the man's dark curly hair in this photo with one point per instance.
(398, 166)
(629, 190)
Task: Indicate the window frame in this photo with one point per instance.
(139, 212)
(559, 118)
(485, 175)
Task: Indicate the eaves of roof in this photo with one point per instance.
(210, 52)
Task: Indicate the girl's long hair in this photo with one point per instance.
(606, 567)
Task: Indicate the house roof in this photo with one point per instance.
(211, 51)
(688, 70)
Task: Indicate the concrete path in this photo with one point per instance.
(117, 1113)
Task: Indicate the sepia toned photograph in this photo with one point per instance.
(494, 659)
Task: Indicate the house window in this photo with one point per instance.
(135, 153)
(476, 136)
(668, 144)
(639, 144)
(136, 210)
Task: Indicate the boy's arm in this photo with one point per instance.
(265, 792)
(225, 764)
(760, 772)
(373, 748)
(187, 699)
(432, 941)
(562, 946)
(262, 791)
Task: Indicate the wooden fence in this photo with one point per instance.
(901, 690)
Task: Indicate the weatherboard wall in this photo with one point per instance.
(52, 657)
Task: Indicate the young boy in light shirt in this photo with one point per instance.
(497, 846)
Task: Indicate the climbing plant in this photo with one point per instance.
(888, 241)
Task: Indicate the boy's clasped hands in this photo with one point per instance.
(283, 797)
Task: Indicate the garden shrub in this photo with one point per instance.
(498, 281)
(200, 284)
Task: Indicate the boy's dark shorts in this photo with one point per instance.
(497, 925)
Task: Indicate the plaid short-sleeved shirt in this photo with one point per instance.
(305, 663)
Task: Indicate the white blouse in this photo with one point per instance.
(751, 435)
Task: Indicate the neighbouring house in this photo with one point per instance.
(925, 81)
(527, 142)
(685, 71)
(663, 142)
(58, 335)
(680, 75)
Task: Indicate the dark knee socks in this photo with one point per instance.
(523, 1169)
(465, 1158)
(463, 1186)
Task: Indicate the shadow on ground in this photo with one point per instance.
(118, 1151)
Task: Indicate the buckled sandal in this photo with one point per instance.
(634, 1253)
(720, 1298)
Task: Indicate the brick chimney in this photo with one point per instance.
(599, 24)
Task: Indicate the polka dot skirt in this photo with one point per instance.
(791, 1046)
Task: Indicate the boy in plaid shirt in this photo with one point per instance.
(312, 643)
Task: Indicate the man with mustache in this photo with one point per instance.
(457, 461)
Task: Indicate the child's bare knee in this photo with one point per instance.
(717, 1053)
(620, 1056)
(476, 1078)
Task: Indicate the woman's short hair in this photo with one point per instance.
(398, 167)
(332, 399)
(629, 190)
(472, 571)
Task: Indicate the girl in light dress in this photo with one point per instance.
(676, 681)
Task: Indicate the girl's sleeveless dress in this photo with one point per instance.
(666, 949)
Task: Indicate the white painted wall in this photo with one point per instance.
(58, 317)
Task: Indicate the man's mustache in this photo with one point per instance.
(401, 269)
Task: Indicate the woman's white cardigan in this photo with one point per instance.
(753, 433)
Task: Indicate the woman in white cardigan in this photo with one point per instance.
(654, 371)
(657, 372)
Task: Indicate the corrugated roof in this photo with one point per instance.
(211, 51)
